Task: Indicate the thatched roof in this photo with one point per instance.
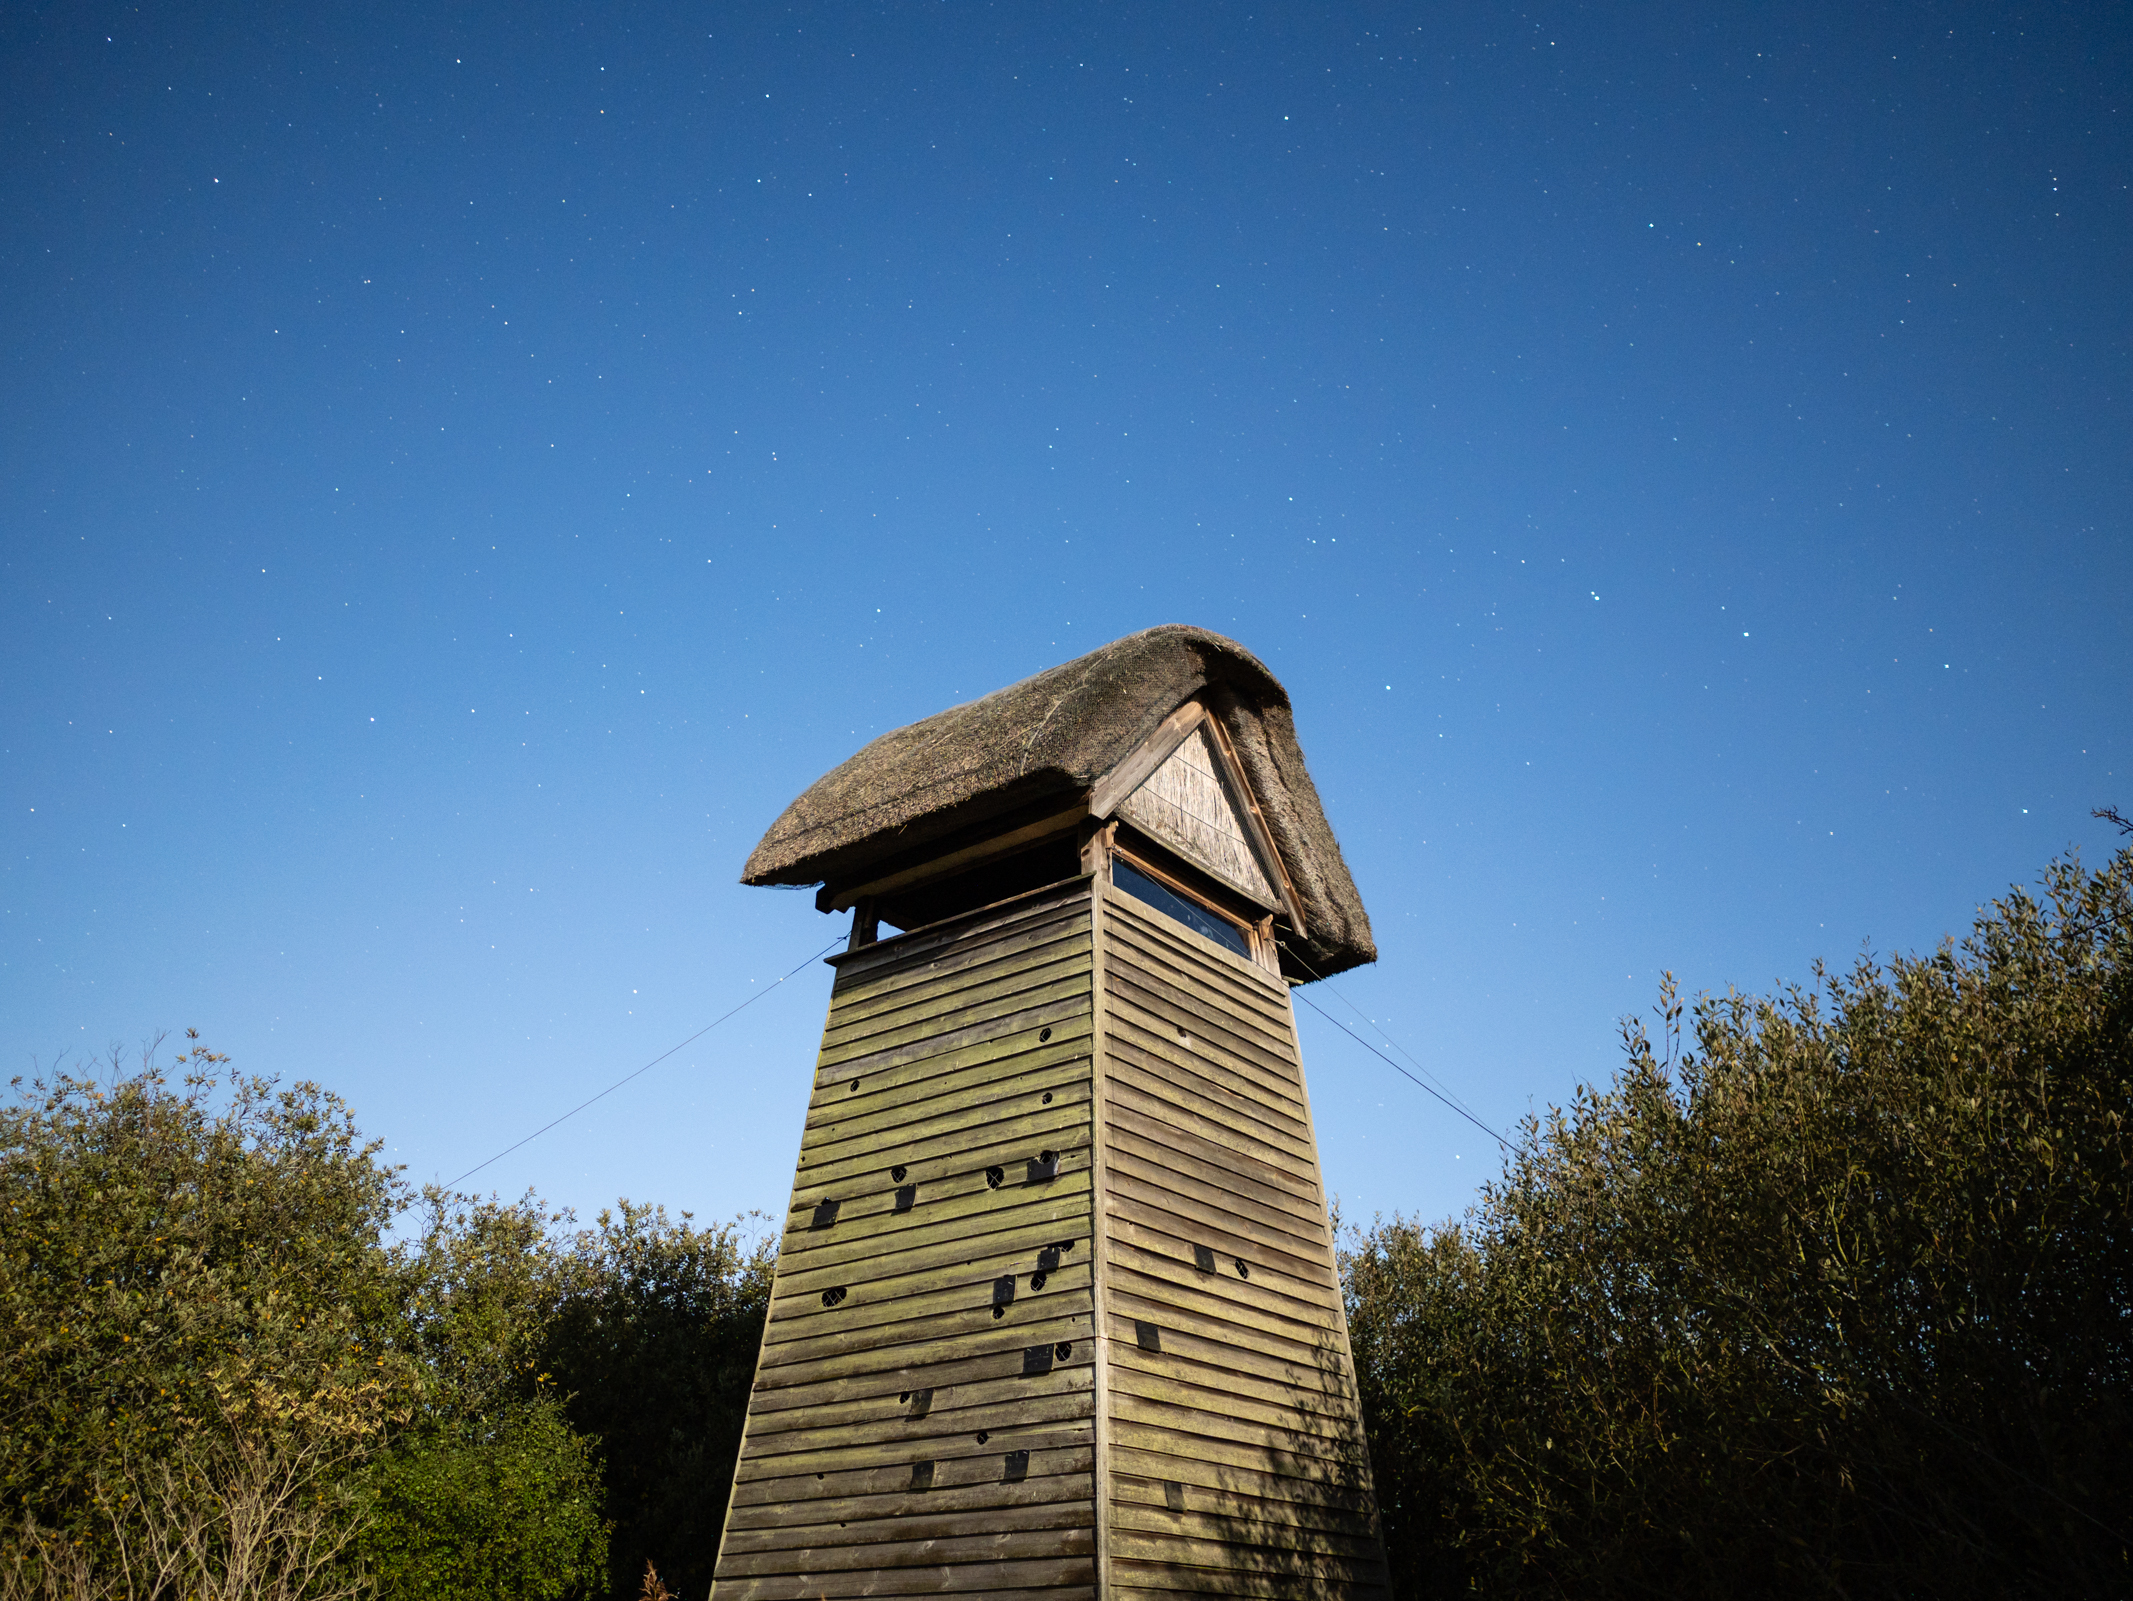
(1053, 736)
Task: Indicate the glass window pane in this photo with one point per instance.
(1125, 876)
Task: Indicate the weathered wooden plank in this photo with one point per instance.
(1012, 963)
(1219, 1465)
(1216, 1295)
(1214, 1215)
(958, 1140)
(1052, 1579)
(1008, 1502)
(1030, 1437)
(1046, 987)
(1266, 1056)
(1322, 1371)
(1215, 1117)
(1141, 1581)
(1015, 1031)
(894, 1382)
(1214, 1519)
(1227, 1557)
(1311, 1503)
(889, 1096)
(1149, 1424)
(1322, 1392)
(1155, 942)
(1149, 1581)
(919, 1323)
(1331, 1419)
(1153, 1301)
(957, 1207)
(983, 1394)
(1178, 1054)
(1015, 971)
(1194, 1141)
(1166, 1050)
(946, 1120)
(914, 950)
(969, 1475)
(1258, 1046)
(1160, 1162)
(1172, 1239)
(921, 1522)
(1064, 1402)
(798, 1308)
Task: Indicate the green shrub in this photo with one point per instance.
(1839, 1301)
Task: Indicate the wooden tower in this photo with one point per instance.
(1056, 1311)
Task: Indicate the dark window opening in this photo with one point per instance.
(1125, 876)
(1047, 862)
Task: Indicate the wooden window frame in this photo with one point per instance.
(1258, 934)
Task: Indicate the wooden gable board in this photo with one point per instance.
(1189, 803)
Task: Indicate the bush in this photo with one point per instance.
(505, 1509)
(654, 1342)
(1839, 1302)
(194, 1298)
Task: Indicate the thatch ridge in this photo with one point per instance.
(1055, 734)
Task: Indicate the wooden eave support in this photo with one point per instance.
(843, 897)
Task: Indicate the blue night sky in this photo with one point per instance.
(463, 471)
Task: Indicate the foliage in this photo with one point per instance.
(1838, 1302)
(654, 1341)
(504, 1507)
(192, 1293)
(218, 1378)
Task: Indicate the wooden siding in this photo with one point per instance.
(1200, 1435)
(903, 1439)
(1232, 1446)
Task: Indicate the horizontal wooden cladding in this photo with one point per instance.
(953, 1145)
(1200, 1169)
(965, 1288)
(1169, 1239)
(1314, 1503)
(1240, 1526)
(1037, 1435)
(957, 1143)
(1329, 1431)
(1217, 1218)
(1151, 1300)
(888, 1097)
(947, 1370)
(1200, 1149)
(960, 1206)
(1263, 1053)
(998, 1030)
(1166, 944)
(894, 960)
(1170, 1049)
(966, 1478)
(1067, 1403)
(1052, 1578)
(991, 1385)
(1270, 1448)
(1218, 1567)
(1174, 1093)
(969, 1011)
(1322, 1374)
(1254, 1034)
(1035, 958)
(916, 1536)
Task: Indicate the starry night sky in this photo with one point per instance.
(462, 472)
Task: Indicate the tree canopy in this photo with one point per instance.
(1837, 1298)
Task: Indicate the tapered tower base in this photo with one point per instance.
(1057, 1310)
